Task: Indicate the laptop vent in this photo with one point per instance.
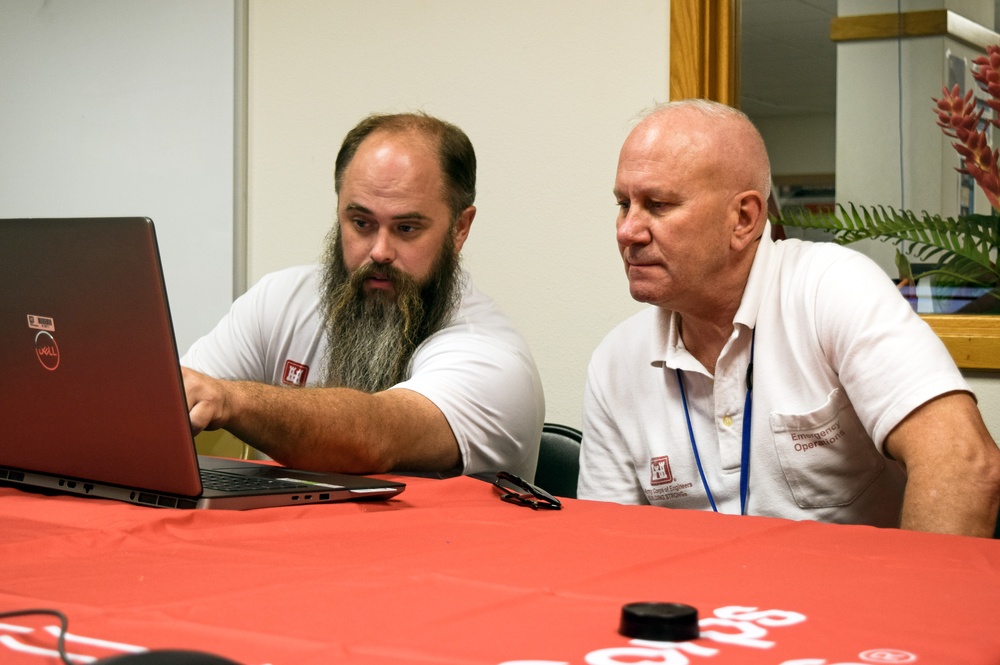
(145, 497)
(162, 501)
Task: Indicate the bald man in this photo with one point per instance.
(787, 379)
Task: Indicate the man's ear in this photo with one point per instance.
(462, 225)
(751, 214)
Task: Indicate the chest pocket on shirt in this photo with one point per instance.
(826, 455)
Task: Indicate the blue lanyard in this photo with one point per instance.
(745, 450)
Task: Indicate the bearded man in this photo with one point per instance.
(386, 357)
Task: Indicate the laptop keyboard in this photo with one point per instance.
(229, 482)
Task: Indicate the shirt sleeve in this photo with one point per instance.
(251, 342)
(888, 359)
(607, 468)
(491, 395)
(231, 350)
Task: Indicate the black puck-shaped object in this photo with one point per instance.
(665, 622)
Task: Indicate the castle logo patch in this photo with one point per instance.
(295, 374)
(659, 471)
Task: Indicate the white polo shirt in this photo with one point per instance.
(477, 370)
(840, 358)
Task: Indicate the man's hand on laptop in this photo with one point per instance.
(206, 400)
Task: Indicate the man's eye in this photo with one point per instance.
(623, 205)
(410, 228)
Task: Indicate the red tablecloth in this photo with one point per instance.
(448, 573)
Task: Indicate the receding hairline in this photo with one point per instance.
(404, 129)
(756, 150)
(456, 157)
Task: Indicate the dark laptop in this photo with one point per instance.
(90, 385)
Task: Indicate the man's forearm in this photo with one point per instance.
(338, 429)
(960, 506)
(952, 466)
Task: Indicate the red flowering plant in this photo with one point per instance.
(960, 251)
(962, 119)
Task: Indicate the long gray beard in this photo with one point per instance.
(371, 336)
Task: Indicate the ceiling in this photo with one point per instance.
(788, 63)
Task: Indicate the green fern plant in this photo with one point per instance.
(963, 250)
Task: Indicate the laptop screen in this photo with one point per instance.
(91, 384)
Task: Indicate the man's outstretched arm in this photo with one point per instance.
(328, 429)
(952, 466)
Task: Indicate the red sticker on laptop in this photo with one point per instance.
(47, 350)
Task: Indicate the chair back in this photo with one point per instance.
(559, 459)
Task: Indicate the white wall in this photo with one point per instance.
(125, 108)
(545, 90)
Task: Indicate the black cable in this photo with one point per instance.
(63, 623)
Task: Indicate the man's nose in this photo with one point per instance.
(382, 250)
(632, 227)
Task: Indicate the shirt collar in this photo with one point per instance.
(667, 349)
(757, 281)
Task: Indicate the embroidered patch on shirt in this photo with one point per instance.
(295, 374)
(659, 471)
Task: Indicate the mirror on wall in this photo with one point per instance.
(788, 87)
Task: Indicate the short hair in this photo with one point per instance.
(456, 155)
(713, 109)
